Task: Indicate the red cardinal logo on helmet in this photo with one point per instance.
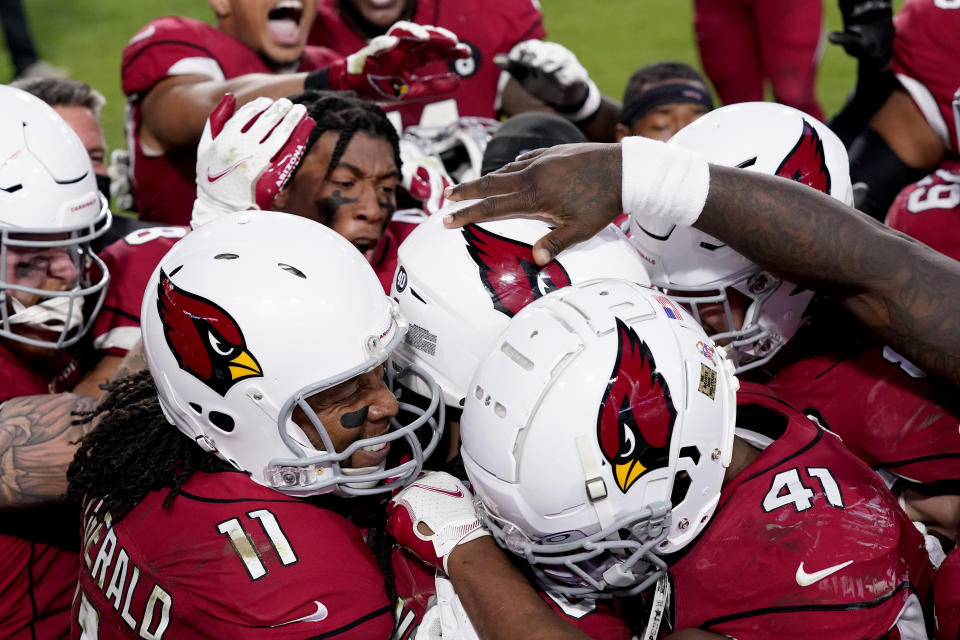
(807, 163)
(204, 339)
(508, 272)
(637, 414)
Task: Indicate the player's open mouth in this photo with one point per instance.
(372, 455)
(283, 22)
(366, 246)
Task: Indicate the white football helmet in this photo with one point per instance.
(250, 315)
(459, 145)
(596, 435)
(48, 200)
(458, 288)
(697, 269)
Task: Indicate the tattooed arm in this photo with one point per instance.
(902, 290)
(37, 443)
(38, 439)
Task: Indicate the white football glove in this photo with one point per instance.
(424, 176)
(552, 73)
(433, 516)
(245, 158)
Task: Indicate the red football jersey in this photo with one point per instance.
(229, 559)
(929, 210)
(886, 416)
(487, 27)
(925, 54)
(805, 542)
(37, 583)
(946, 598)
(61, 373)
(131, 261)
(163, 184)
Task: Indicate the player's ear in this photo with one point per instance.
(220, 7)
(622, 131)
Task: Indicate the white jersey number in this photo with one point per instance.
(787, 489)
(248, 552)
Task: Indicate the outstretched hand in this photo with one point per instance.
(576, 187)
(389, 67)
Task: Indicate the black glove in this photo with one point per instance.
(867, 31)
(552, 73)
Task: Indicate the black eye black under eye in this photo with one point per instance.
(354, 419)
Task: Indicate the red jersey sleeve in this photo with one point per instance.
(130, 260)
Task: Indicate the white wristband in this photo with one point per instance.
(590, 105)
(662, 184)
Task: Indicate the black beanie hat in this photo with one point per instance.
(525, 132)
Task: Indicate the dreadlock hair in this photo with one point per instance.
(133, 450)
(347, 113)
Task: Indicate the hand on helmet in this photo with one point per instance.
(424, 176)
(433, 516)
(552, 73)
(867, 31)
(386, 68)
(245, 158)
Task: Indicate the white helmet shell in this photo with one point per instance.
(602, 407)
(247, 317)
(698, 269)
(459, 287)
(48, 200)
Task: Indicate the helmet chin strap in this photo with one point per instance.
(51, 314)
(362, 470)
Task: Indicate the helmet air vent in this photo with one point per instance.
(293, 270)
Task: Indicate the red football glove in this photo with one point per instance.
(432, 516)
(245, 158)
(423, 176)
(386, 68)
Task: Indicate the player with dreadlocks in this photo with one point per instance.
(349, 176)
(267, 356)
(337, 154)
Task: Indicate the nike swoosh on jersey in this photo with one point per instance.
(318, 616)
(213, 177)
(446, 492)
(805, 579)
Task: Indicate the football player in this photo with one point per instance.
(51, 286)
(536, 75)
(175, 70)
(600, 436)
(662, 98)
(268, 359)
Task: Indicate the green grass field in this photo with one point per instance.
(612, 38)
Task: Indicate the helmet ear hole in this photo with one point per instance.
(221, 421)
(681, 484)
(197, 408)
